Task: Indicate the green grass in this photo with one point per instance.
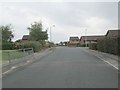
(11, 54)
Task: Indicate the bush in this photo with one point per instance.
(51, 44)
(7, 46)
(31, 44)
(93, 46)
(83, 45)
(0, 45)
(101, 45)
(119, 46)
(108, 45)
(43, 43)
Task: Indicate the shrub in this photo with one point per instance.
(51, 44)
(43, 43)
(31, 44)
(93, 46)
(7, 46)
(119, 46)
(83, 45)
(0, 45)
(101, 45)
(108, 45)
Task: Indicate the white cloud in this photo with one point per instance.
(59, 0)
(97, 25)
(96, 22)
(70, 19)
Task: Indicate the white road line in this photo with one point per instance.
(7, 71)
(28, 61)
(105, 61)
(111, 64)
(13, 67)
(108, 63)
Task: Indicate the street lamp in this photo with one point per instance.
(51, 35)
(51, 32)
(85, 37)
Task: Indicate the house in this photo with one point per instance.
(73, 41)
(90, 39)
(25, 38)
(113, 33)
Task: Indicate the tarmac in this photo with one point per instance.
(106, 57)
(8, 69)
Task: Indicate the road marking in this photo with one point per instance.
(28, 61)
(7, 71)
(108, 63)
(111, 64)
(104, 60)
(13, 67)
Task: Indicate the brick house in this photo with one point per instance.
(73, 41)
(25, 38)
(113, 33)
(90, 39)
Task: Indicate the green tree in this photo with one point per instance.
(7, 34)
(36, 33)
(18, 41)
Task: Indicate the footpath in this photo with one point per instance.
(108, 58)
(27, 61)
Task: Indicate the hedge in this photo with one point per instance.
(93, 46)
(108, 45)
(7, 46)
(83, 45)
(119, 46)
(31, 44)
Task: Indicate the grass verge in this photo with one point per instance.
(11, 54)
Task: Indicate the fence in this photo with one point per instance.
(13, 57)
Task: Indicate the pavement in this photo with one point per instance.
(66, 67)
(106, 57)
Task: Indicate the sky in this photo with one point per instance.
(69, 18)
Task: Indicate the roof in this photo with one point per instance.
(25, 37)
(112, 33)
(74, 38)
(90, 38)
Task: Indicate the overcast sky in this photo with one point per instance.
(69, 18)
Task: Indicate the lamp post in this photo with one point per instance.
(51, 32)
(51, 35)
(85, 38)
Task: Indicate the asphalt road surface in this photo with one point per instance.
(65, 68)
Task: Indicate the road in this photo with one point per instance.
(65, 68)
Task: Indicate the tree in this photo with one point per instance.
(18, 41)
(6, 37)
(66, 43)
(61, 43)
(36, 33)
(7, 34)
